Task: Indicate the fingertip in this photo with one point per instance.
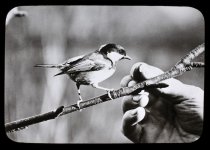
(142, 99)
(125, 80)
(140, 113)
(130, 102)
(132, 83)
(130, 117)
(134, 116)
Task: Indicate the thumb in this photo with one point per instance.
(176, 89)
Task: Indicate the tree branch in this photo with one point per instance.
(182, 66)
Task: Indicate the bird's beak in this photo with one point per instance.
(127, 57)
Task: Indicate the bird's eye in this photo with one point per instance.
(122, 52)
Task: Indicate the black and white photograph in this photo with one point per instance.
(104, 74)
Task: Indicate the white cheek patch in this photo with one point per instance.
(114, 56)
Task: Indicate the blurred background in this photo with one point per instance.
(159, 36)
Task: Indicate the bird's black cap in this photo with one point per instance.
(112, 47)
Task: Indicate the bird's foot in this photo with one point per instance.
(109, 94)
(78, 105)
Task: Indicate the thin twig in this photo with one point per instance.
(182, 66)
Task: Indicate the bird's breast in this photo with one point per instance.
(91, 77)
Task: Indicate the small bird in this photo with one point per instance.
(92, 68)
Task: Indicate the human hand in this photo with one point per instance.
(175, 113)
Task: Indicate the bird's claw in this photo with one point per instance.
(78, 105)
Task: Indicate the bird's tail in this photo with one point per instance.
(50, 66)
(47, 65)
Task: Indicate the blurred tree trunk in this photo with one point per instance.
(54, 43)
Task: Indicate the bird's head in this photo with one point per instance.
(114, 52)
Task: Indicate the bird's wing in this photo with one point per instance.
(91, 62)
(73, 60)
(70, 62)
(86, 65)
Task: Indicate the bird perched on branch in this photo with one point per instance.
(92, 68)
